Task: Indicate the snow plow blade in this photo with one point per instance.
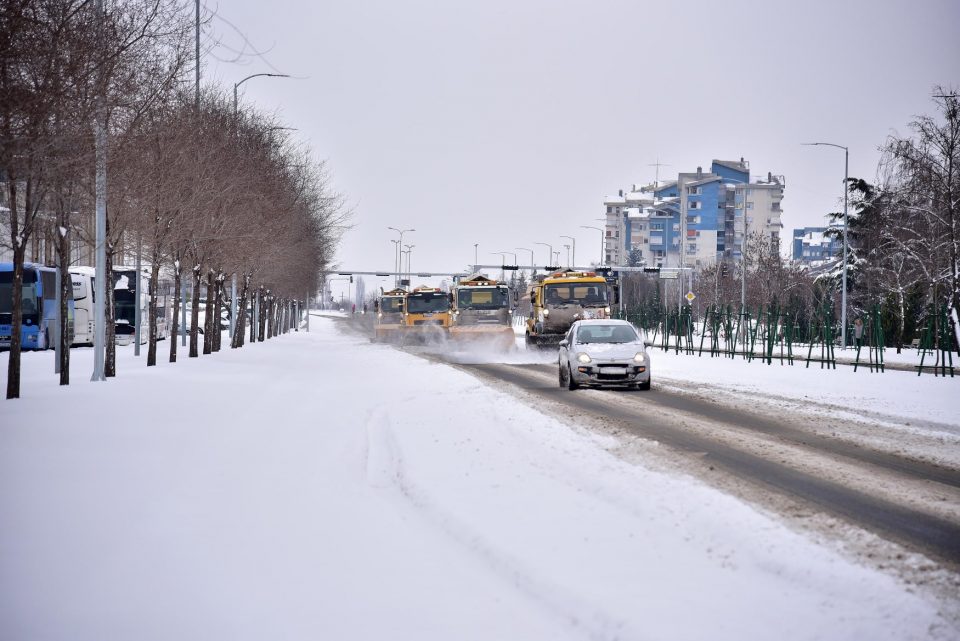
(498, 337)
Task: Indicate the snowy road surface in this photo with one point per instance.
(319, 487)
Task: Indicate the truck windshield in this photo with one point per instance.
(422, 303)
(486, 298)
(589, 294)
(391, 305)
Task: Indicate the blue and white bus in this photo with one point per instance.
(39, 306)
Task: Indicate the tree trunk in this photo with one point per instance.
(218, 335)
(16, 321)
(240, 326)
(110, 362)
(254, 318)
(210, 323)
(154, 282)
(195, 313)
(66, 293)
(175, 324)
(262, 306)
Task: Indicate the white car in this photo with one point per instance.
(604, 353)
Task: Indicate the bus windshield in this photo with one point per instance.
(30, 306)
(486, 298)
(588, 294)
(423, 303)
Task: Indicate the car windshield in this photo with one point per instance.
(391, 304)
(422, 303)
(590, 294)
(486, 298)
(606, 334)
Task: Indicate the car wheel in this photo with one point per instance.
(563, 383)
(571, 384)
(644, 386)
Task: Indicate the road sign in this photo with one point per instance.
(669, 274)
(690, 296)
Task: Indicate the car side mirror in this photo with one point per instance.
(647, 342)
(564, 343)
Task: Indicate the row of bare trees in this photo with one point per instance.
(904, 231)
(202, 192)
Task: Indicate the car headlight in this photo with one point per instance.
(380, 315)
(583, 358)
(640, 358)
(606, 309)
(546, 312)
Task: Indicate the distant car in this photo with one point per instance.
(602, 353)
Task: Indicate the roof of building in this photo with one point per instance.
(732, 164)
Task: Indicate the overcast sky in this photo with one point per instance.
(506, 123)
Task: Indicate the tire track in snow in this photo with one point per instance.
(386, 470)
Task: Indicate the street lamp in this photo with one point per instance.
(236, 85)
(476, 260)
(532, 267)
(571, 260)
(399, 246)
(601, 240)
(550, 255)
(409, 251)
(843, 294)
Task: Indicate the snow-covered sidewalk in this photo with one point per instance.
(320, 487)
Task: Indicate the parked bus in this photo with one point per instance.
(125, 306)
(83, 280)
(38, 305)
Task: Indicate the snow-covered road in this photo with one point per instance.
(317, 486)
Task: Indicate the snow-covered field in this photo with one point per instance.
(320, 487)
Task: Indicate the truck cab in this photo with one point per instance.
(561, 298)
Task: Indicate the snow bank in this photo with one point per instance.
(317, 486)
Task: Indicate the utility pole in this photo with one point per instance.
(100, 189)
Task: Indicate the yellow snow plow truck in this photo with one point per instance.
(559, 299)
(427, 315)
(482, 313)
(389, 322)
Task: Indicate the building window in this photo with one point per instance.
(749, 204)
(693, 204)
(609, 209)
(695, 190)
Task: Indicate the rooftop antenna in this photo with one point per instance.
(658, 165)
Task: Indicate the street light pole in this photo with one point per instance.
(572, 260)
(409, 251)
(399, 246)
(550, 255)
(236, 85)
(476, 260)
(843, 293)
(601, 240)
(532, 267)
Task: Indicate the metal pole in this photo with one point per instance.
(843, 296)
(571, 259)
(743, 256)
(308, 311)
(100, 291)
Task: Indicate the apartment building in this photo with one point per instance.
(717, 211)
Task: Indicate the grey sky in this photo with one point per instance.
(507, 122)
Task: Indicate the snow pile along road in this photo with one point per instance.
(317, 486)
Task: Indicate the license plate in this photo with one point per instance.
(613, 370)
